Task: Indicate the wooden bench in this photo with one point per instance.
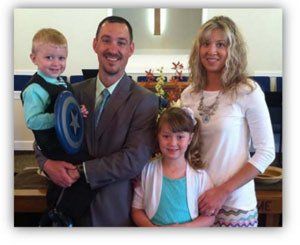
(30, 192)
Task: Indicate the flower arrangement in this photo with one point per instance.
(168, 96)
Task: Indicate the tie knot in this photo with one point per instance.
(105, 93)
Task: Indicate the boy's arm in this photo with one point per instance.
(140, 218)
(36, 99)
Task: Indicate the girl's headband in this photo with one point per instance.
(190, 112)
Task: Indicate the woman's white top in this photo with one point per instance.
(226, 138)
(147, 194)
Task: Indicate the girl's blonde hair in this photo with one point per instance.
(48, 36)
(181, 121)
(234, 73)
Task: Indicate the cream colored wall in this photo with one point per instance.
(262, 29)
(22, 135)
(178, 29)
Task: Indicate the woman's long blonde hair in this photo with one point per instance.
(234, 72)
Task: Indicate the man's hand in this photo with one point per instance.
(73, 173)
(61, 173)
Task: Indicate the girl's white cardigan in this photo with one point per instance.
(147, 194)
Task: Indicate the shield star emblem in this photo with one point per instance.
(68, 122)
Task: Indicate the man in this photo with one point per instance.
(122, 141)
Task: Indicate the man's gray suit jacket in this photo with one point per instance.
(120, 145)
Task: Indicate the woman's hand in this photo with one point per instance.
(211, 201)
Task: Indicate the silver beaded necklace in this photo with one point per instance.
(207, 111)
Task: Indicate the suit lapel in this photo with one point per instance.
(88, 98)
(119, 96)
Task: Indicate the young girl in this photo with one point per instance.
(171, 184)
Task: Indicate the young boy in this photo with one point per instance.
(49, 53)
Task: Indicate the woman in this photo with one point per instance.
(233, 112)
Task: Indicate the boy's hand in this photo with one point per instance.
(84, 111)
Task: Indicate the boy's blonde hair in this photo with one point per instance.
(180, 121)
(48, 36)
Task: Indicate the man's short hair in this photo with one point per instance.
(48, 35)
(116, 19)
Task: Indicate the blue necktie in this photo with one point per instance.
(98, 110)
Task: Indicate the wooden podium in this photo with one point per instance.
(269, 202)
